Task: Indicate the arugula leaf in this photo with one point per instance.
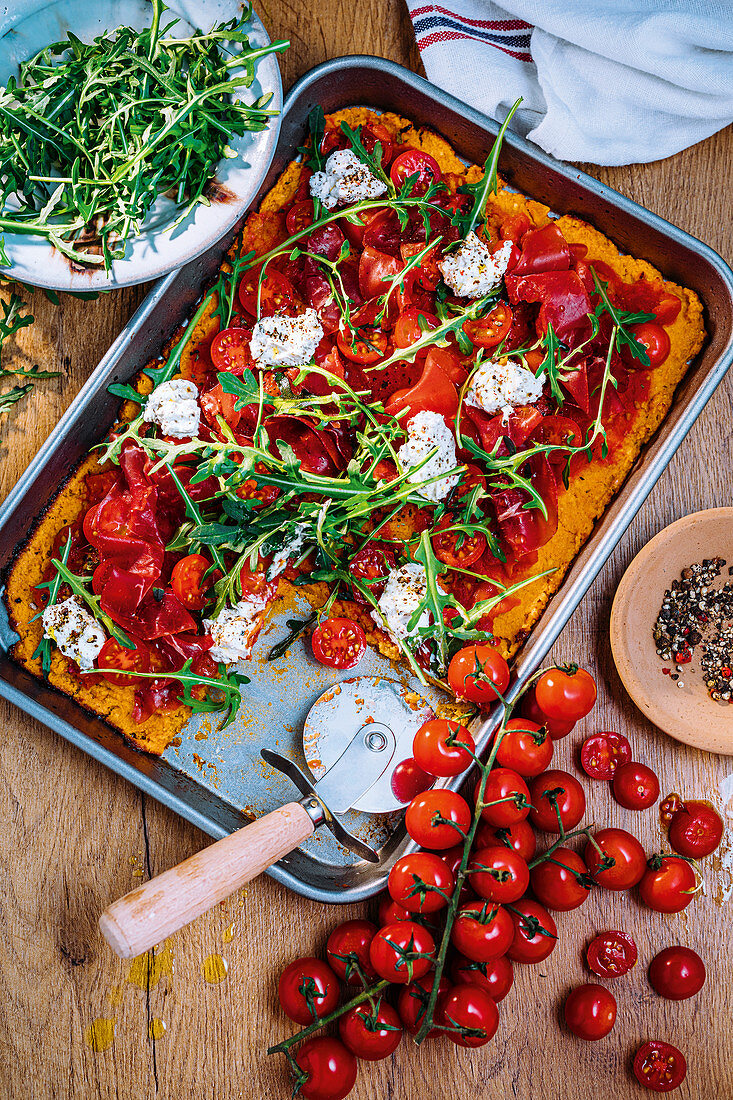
(622, 319)
(246, 388)
(372, 160)
(16, 394)
(126, 392)
(487, 185)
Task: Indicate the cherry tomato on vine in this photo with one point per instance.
(554, 793)
(436, 748)
(423, 819)
(620, 864)
(457, 549)
(369, 1034)
(308, 989)
(338, 643)
(529, 708)
(603, 753)
(695, 830)
(561, 882)
(668, 884)
(566, 695)
(415, 162)
(487, 332)
(659, 1066)
(654, 340)
(611, 954)
(470, 1006)
(504, 783)
(230, 350)
(475, 671)
(590, 1012)
(535, 932)
(401, 952)
(331, 1069)
(347, 950)
(389, 911)
(188, 581)
(525, 747)
(482, 930)
(635, 786)
(520, 837)
(422, 882)
(498, 874)
(413, 1001)
(496, 976)
(677, 973)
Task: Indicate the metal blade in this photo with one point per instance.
(360, 765)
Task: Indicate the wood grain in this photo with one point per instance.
(74, 837)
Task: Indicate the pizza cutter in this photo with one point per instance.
(356, 736)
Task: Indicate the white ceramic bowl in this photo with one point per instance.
(26, 26)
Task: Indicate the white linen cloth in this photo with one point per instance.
(606, 81)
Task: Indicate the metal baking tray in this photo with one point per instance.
(218, 780)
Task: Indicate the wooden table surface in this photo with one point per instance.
(74, 836)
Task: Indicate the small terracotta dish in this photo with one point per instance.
(686, 713)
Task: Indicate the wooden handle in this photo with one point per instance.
(161, 906)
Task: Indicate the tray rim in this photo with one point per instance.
(544, 638)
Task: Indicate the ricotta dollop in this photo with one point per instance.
(427, 431)
(345, 179)
(280, 341)
(74, 630)
(173, 406)
(234, 629)
(472, 271)
(499, 385)
(404, 591)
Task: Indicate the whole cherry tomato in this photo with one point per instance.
(566, 695)
(529, 708)
(422, 882)
(347, 950)
(413, 162)
(496, 976)
(470, 1007)
(482, 930)
(695, 830)
(677, 973)
(509, 794)
(520, 837)
(498, 874)
(635, 786)
(525, 747)
(371, 1033)
(668, 885)
(390, 912)
(654, 340)
(561, 882)
(620, 864)
(428, 817)
(308, 989)
(331, 1069)
(338, 643)
(413, 1001)
(535, 932)
(612, 954)
(556, 794)
(401, 952)
(603, 753)
(659, 1066)
(475, 671)
(590, 1012)
(442, 747)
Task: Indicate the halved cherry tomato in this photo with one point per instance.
(659, 1066)
(487, 332)
(442, 747)
(635, 786)
(603, 753)
(655, 341)
(276, 294)
(113, 655)
(695, 830)
(367, 346)
(371, 565)
(415, 162)
(300, 216)
(230, 349)
(411, 325)
(338, 643)
(559, 431)
(476, 671)
(612, 954)
(566, 695)
(187, 581)
(456, 548)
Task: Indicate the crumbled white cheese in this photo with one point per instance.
(500, 385)
(472, 271)
(234, 629)
(173, 406)
(404, 591)
(290, 549)
(427, 431)
(279, 341)
(346, 179)
(74, 630)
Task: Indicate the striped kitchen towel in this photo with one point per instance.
(606, 81)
